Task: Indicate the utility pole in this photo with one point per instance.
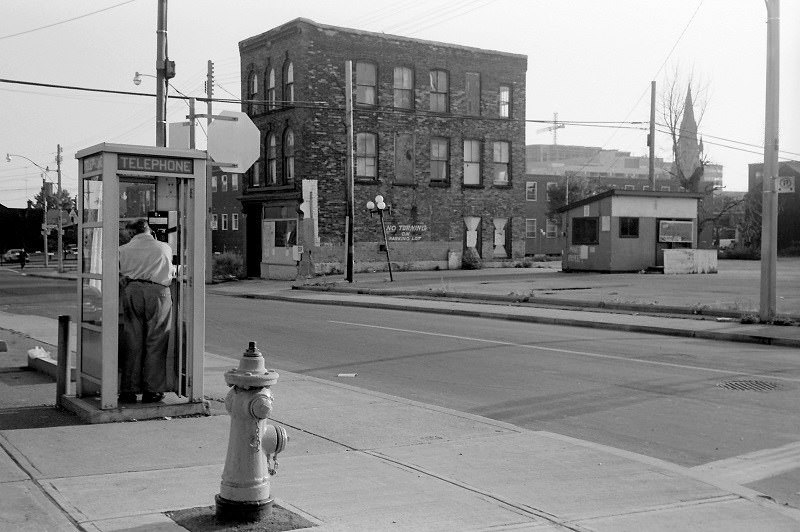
(44, 219)
(348, 73)
(209, 173)
(161, 75)
(769, 220)
(651, 138)
(60, 225)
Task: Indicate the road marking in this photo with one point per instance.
(751, 467)
(572, 352)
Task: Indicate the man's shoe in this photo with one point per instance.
(150, 397)
(127, 397)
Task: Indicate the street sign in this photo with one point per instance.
(234, 139)
(785, 184)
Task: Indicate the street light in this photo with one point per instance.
(45, 229)
(378, 206)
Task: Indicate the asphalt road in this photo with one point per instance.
(670, 398)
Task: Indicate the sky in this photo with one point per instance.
(588, 60)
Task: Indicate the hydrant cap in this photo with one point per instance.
(252, 372)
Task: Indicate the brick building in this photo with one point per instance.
(788, 236)
(226, 213)
(438, 132)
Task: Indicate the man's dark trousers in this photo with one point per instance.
(147, 314)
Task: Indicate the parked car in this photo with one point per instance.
(12, 255)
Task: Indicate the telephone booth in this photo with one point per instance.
(119, 184)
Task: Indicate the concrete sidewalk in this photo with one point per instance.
(361, 460)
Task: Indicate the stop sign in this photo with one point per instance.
(234, 141)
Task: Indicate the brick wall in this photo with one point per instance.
(319, 54)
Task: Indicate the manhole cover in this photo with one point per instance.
(750, 385)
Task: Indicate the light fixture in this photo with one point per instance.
(378, 206)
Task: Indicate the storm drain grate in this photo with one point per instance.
(750, 385)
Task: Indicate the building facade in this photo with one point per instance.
(438, 131)
(788, 203)
(227, 234)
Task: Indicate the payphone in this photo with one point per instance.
(165, 228)
(119, 184)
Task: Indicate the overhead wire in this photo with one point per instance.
(619, 124)
(32, 30)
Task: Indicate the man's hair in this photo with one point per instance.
(139, 226)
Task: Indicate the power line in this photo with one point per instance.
(621, 124)
(64, 21)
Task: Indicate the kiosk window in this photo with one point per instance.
(584, 231)
(628, 227)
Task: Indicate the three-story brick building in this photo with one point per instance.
(438, 132)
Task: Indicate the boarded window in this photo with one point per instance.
(472, 96)
(404, 158)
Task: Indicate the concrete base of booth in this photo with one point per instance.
(88, 409)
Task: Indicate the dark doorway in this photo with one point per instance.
(253, 239)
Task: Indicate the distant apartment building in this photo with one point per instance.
(226, 213)
(788, 202)
(438, 132)
(550, 164)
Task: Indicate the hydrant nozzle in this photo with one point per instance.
(245, 489)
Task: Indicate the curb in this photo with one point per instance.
(666, 331)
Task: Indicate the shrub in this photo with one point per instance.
(470, 260)
(740, 254)
(228, 265)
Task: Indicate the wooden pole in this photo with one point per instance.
(348, 72)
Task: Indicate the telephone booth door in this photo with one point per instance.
(119, 184)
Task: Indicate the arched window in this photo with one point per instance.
(288, 82)
(288, 157)
(271, 88)
(272, 160)
(252, 92)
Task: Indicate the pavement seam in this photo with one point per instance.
(15, 455)
(662, 507)
(526, 509)
(765, 501)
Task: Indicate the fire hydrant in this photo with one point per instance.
(244, 494)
